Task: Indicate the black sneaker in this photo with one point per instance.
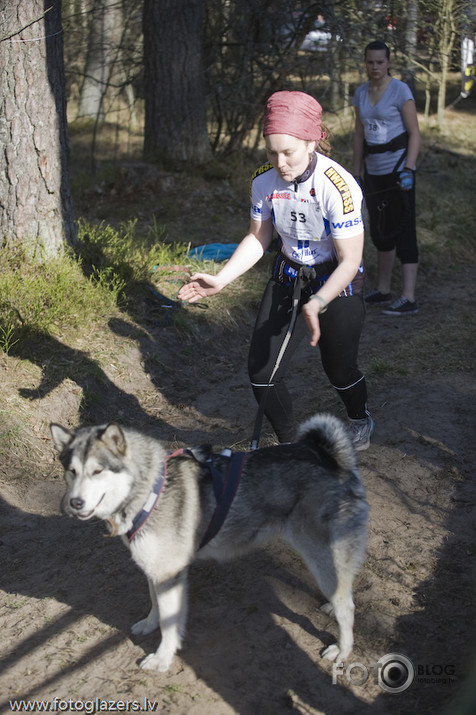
(402, 306)
(375, 296)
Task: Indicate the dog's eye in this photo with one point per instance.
(97, 471)
(72, 471)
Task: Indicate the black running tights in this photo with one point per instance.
(341, 326)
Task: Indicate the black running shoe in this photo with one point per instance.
(375, 296)
(402, 306)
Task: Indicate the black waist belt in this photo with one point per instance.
(320, 270)
(400, 142)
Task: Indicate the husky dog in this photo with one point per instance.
(308, 494)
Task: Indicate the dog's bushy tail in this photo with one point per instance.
(328, 434)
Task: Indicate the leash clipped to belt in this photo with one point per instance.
(304, 276)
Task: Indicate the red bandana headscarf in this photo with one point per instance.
(294, 113)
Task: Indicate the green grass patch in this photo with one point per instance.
(49, 297)
(112, 270)
(124, 253)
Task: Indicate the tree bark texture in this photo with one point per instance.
(35, 199)
(411, 32)
(104, 48)
(447, 32)
(175, 115)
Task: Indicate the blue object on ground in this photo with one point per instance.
(213, 251)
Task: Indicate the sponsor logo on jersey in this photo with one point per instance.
(261, 170)
(342, 188)
(279, 195)
(304, 254)
(347, 224)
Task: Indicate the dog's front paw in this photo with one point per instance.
(156, 663)
(332, 652)
(147, 625)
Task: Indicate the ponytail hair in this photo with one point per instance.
(324, 144)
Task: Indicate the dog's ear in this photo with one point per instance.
(61, 436)
(114, 438)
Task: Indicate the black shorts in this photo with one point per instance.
(392, 216)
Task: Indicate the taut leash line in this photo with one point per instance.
(305, 274)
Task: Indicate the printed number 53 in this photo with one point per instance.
(298, 217)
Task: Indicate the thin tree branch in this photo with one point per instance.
(4, 39)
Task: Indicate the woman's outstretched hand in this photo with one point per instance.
(200, 285)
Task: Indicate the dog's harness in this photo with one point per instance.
(225, 485)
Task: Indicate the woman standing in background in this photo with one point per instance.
(386, 145)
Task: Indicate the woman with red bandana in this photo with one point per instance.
(314, 205)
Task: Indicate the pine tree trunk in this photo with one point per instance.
(103, 50)
(445, 47)
(411, 43)
(175, 116)
(36, 213)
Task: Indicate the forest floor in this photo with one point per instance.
(68, 596)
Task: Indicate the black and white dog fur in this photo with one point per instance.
(308, 494)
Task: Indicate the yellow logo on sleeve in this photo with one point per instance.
(342, 188)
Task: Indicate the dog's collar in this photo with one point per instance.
(154, 496)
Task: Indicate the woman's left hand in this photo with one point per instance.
(349, 256)
(311, 311)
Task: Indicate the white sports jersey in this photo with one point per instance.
(308, 216)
